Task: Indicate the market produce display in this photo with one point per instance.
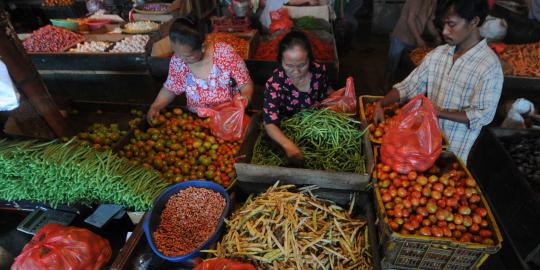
(190, 217)
(524, 59)
(57, 246)
(526, 154)
(101, 136)
(329, 141)
(91, 46)
(240, 45)
(377, 131)
(69, 173)
(141, 27)
(133, 44)
(181, 147)
(268, 49)
(51, 39)
(51, 3)
(444, 202)
(281, 229)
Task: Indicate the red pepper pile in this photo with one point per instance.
(50, 39)
(322, 51)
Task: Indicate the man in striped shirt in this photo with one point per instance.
(463, 78)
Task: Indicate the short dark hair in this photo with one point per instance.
(468, 9)
(184, 31)
(294, 38)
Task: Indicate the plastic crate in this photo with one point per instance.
(367, 99)
(152, 219)
(424, 252)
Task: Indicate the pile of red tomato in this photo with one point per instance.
(443, 202)
(377, 131)
(181, 147)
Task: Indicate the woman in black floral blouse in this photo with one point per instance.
(298, 83)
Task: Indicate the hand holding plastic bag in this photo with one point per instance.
(413, 140)
(228, 121)
(342, 100)
(56, 246)
(224, 264)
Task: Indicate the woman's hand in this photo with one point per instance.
(291, 150)
(152, 115)
(164, 98)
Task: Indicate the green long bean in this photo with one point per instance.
(68, 173)
(329, 141)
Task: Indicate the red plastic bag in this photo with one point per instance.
(280, 20)
(224, 264)
(413, 140)
(228, 121)
(342, 100)
(56, 246)
(498, 48)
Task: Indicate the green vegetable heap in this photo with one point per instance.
(329, 141)
(56, 173)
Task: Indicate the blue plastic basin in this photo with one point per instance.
(153, 217)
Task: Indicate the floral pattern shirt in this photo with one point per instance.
(282, 99)
(217, 88)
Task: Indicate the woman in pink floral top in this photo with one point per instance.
(298, 83)
(209, 74)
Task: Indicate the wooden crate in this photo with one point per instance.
(336, 186)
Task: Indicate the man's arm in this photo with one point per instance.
(390, 98)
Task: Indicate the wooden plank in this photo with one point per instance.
(269, 174)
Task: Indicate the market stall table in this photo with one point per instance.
(99, 76)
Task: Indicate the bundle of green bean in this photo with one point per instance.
(68, 173)
(329, 141)
(281, 229)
